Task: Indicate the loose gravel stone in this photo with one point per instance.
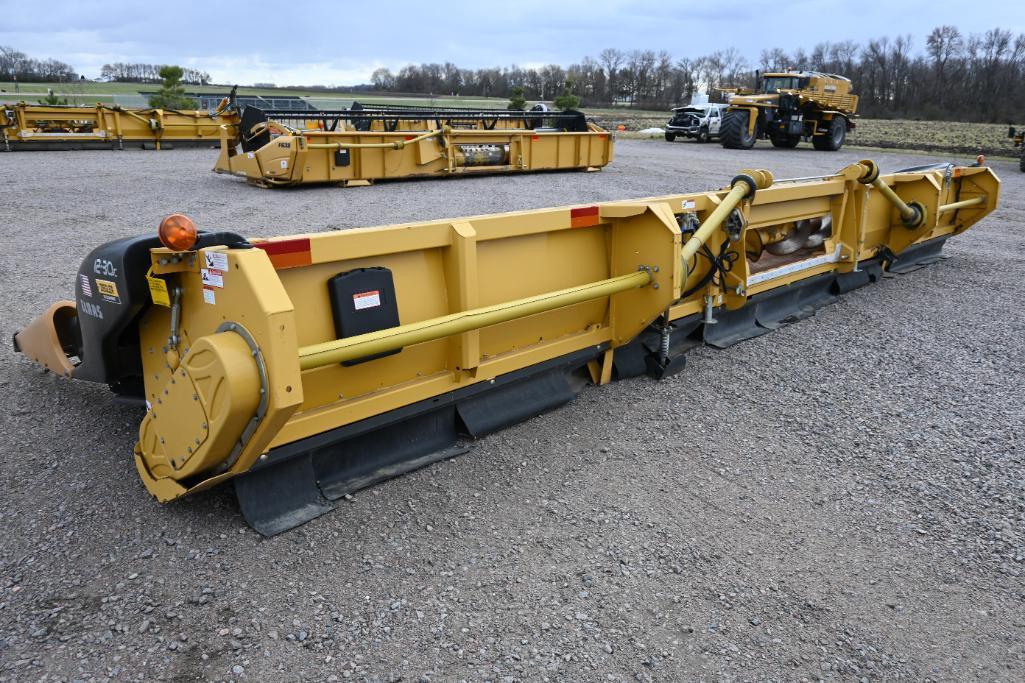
(855, 480)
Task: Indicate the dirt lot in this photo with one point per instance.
(842, 499)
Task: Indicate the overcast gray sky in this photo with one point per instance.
(341, 43)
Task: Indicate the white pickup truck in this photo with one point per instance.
(700, 121)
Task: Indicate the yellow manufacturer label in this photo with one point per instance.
(108, 291)
(158, 290)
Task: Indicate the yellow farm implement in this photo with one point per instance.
(306, 367)
(37, 127)
(358, 146)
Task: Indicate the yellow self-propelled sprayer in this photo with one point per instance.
(309, 366)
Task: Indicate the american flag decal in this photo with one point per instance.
(87, 287)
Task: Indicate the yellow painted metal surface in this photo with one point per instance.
(269, 307)
(348, 157)
(25, 125)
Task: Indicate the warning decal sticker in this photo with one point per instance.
(366, 300)
(216, 260)
(212, 278)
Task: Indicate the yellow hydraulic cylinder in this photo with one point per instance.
(350, 348)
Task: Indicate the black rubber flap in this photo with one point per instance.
(771, 310)
(289, 487)
(918, 256)
(278, 498)
(516, 402)
(643, 355)
(387, 452)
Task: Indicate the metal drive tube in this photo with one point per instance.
(398, 144)
(964, 204)
(329, 353)
(911, 215)
(743, 186)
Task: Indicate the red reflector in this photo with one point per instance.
(535, 137)
(583, 217)
(407, 138)
(287, 253)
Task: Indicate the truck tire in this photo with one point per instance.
(787, 141)
(1021, 162)
(703, 134)
(670, 137)
(734, 130)
(834, 139)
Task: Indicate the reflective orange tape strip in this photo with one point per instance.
(287, 253)
(583, 217)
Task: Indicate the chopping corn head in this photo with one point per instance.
(306, 367)
(357, 146)
(44, 127)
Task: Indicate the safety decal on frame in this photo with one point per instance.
(108, 291)
(209, 296)
(689, 204)
(366, 300)
(216, 260)
(212, 278)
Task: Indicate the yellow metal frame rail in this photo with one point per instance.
(28, 126)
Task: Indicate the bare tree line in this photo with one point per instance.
(953, 77)
(148, 73)
(17, 66)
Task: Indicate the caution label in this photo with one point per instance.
(366, 299)
(216, 260)
(212, 278)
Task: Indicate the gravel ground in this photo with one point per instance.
(841, 499)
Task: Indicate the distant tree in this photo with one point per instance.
(382, 79)
(171, 94)
(567, 100)
(516, 99)
(51, 99)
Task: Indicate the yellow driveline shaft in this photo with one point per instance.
(350, 348)
(964, 204)
(715, 219)
(398, 144)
